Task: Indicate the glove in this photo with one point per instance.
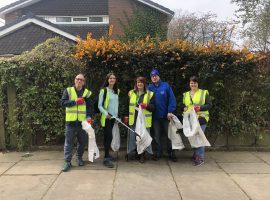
(89, 120)
(197, 108)
(79, 101)
(143, 105)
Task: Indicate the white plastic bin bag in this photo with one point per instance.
(93, 152)
(193, 131)
(175, 138)
(115, 145)
(140, 129)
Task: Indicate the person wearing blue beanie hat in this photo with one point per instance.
(165, 105)
(154, 72)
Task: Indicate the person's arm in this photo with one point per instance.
(208, 103)
(100, 100)
(89, 107)
(172, 100)
(151, 106)
(65, 102)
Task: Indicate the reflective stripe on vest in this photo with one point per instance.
(76, 112)
(105, 106)
(132, 102)
(198, 99)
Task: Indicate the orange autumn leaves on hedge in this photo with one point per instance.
(106, 48)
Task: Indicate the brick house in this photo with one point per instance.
(30, 22)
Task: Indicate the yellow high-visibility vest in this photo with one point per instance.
(198, 99)
(76, 112)
(132, 104)
(105, 106)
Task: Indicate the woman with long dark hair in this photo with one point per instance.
(108, 103)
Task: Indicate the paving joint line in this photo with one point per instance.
(114, 179)
(234, 182)
(253, 153)
(46, 192)
(174, 180)
(10, 167)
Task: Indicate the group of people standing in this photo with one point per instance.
(157, 101)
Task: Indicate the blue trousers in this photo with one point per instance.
(160, 128)
(200, 151)
(70, 133)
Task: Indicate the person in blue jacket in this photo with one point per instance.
(165, 106)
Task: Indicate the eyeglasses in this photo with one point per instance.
(79, 79)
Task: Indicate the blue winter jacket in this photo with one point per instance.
(164, 99)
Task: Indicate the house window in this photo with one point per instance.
(63, 19)
(80, 19)
(95, 19)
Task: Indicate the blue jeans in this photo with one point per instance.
(70, 133)
(200, 151)
(160, 128)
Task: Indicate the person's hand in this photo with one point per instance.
(143, 105)
(79, 101)
(169, 116)
(197, 108)
(108, 116)
(125, 120)
(89, 120)
(185, 109)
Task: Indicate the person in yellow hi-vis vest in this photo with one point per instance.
(200, 100)
(108, 103)
(79, 107)
(145, 98)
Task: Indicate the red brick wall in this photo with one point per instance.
(117, 10)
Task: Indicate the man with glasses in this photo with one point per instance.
(78, 104)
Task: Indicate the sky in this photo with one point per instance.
(223, 8)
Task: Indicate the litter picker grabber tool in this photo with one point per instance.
(119, 120)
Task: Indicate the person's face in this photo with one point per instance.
(140, 85)
(155, 79)
(112, 80)
(79, 81)
(193, 85)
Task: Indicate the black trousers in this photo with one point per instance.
(108, 136)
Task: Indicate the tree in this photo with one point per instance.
(255, 17)
(142, 24)
(200, 29)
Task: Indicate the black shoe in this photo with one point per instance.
(80, 162)
(108, 163)
(66, 167)
(111, 158)
(156, 157)
(172, 156)
(141, 158)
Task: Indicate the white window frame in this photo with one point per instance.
(52, 19)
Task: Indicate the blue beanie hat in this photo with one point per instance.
(154, 72)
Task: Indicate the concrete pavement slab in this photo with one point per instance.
(5, 166)
(207, 186)
(44, 155)
(151, 180)
(36, 167)
(24, 187)
(82, 184)
(265, 156)
(234, 157)
(187, 166)
(255, 185)
(11, 156)
(248, 168)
